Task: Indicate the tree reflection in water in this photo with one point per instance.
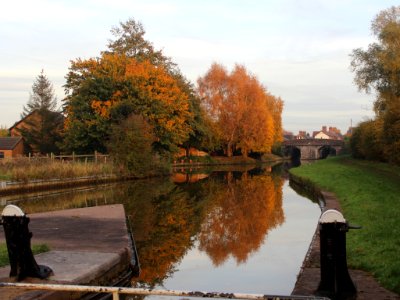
(229, 213)
(163, 237)
(240, 214)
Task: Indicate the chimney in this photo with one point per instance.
(324, 128)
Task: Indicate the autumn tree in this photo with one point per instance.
(3, 131)
(378, 68)
(106, 89)
(129, 40)
(201, 136)
(245, 115)
(42, 133)
(131, 77)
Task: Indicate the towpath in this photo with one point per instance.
(307, 283)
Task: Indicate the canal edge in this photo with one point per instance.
(107, 263)
(309, 276)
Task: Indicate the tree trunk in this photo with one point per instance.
(244, 153)
(229, 150)
(188, 151)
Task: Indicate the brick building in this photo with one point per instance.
(11, 147)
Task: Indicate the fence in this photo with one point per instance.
(95, 157)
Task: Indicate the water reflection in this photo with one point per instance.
(223, 214)
(181, 177)
(242, 210)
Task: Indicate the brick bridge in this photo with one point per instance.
(311, 148)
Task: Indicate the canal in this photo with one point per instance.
(234, 230)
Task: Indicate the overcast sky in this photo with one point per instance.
(299, 49)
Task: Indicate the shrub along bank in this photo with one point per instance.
(369, 195)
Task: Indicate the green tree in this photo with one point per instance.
(201, 136)
(378, 68)
(43, 134)
(129, 41)
(366, 141)
(42, 131)
(131, 147)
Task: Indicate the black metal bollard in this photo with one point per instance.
(335, 278)
(18, 239)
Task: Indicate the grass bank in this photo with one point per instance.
(36, 249)
(369, 194)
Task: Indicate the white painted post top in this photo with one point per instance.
(12, 211)
(332, 216)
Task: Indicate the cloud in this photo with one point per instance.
(298, 49)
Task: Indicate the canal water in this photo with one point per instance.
(234, 230)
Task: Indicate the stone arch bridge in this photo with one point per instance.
(311, 148)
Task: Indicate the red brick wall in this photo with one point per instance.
(18, 150)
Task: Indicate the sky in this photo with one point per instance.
(299, 49)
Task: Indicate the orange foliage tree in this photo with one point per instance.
(108, 89)
(245, 115)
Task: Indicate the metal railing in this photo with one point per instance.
(117, 291)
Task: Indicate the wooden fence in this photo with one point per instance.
(95, 157)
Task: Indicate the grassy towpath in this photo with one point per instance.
(369, 193)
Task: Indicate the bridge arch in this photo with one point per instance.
(312, 148)
(293, 152)
(326, 151)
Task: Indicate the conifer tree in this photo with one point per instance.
(41, 97)
(42, 132)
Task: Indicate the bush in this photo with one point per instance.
(131, 148)
(366, 141)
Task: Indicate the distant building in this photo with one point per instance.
(288, 135)
(11, 147)
(349, 132)
(332, 133)
(302, 135)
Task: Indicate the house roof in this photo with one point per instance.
(9, 143)
(22, 119)
(331, 134)
(36, 111)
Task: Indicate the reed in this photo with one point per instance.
(24, 169)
